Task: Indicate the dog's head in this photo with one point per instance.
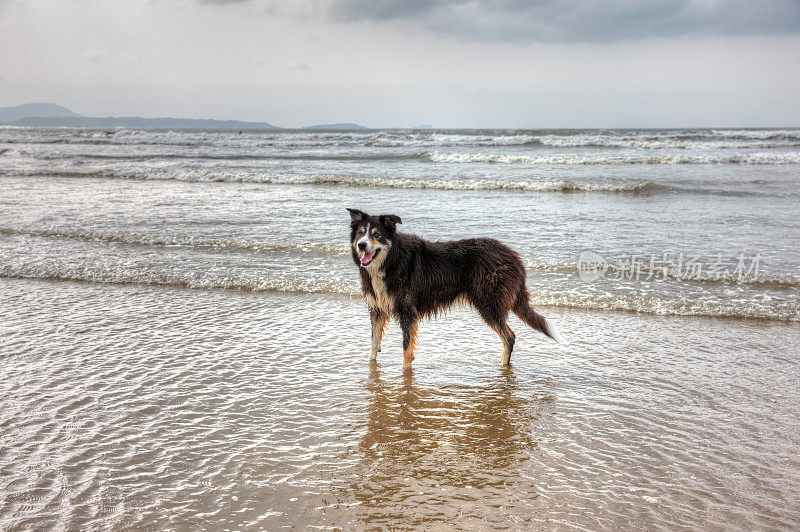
(371, 237)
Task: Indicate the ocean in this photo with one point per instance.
(184, 344)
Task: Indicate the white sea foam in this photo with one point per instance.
(332, 248)
(355, 181)
(615, 160)
(670, 307)
(145, 239)
(763, 134)
(204, 281)
(642, 139)
(664, 142)
(187, 280)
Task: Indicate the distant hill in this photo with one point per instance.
(338, 127)
(52, 115)
(138, 122)
(49, 110)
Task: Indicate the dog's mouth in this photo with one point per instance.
(367, 257)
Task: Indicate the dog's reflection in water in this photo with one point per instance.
(426, 448)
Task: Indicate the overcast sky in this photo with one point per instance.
(450, 63)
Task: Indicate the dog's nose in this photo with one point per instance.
(362, 246)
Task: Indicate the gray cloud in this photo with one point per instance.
(453, 64)
(577, 20)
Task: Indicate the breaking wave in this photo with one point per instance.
(613, 160)
(642, 139)
(571, 299)
(561, 185)
(109, 276)
(331, 248)
(440, 157)
(144, 239)
(651, 305)
(231, 157)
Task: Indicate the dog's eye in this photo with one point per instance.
(374, 235)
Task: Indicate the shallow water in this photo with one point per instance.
(183, 347)
(689, 222)
(147, 407)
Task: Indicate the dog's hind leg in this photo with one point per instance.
(379, 321)
(495, 317)
(508, 338)
(409, 325)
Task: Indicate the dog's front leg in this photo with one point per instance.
(408, 322)
(379, 321)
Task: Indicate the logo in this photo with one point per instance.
(591, 266)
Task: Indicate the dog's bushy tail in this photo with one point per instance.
(523, 309)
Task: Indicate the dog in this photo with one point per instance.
(408, 278)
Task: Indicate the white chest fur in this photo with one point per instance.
(381, 300)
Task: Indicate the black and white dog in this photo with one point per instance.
(408, 278)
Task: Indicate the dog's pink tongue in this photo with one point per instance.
(366, 257)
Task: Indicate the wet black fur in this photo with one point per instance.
(424, 278)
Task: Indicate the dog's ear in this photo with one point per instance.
(357, 216)
(389, 221)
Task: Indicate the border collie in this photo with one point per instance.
(408, 278)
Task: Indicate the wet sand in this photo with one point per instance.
(143, 407)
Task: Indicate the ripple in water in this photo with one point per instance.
(146, 407)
